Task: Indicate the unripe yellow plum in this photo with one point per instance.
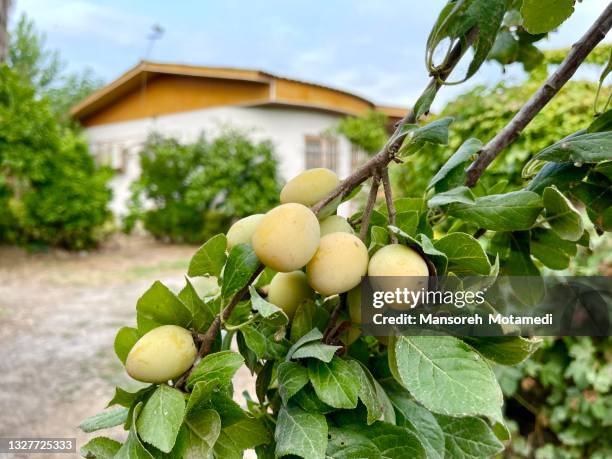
(242, 231)
(335, 224)
(289, 290)
(162, 354)
(354, 304)
(338, 265)
(309, 187)
(287, 237)
(407, 267)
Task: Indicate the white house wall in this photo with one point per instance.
(286, 128)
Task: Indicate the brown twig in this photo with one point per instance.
(580, 50)
(391, 213)
(367, 211)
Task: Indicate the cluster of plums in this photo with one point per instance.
(308, 255)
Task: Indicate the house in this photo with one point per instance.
(182, 101)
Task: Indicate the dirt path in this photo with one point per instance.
(58, 317)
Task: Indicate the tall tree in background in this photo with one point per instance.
(4, 9)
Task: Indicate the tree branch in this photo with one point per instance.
(389, 199)
(580, 50)
(367, 211)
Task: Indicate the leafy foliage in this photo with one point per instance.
(368, 132)
(196, 190)
(51, 192)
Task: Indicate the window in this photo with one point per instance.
(358, 157)
(322, 151)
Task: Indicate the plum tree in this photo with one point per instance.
(287, 237)
(309, 187)
(335, 224)
(242, 231)
(163, 353)
(338, 265)
(288, 290)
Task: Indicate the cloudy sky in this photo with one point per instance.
(372, 47)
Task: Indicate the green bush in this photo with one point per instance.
(51, 192)
(189, 192)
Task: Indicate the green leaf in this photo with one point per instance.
(541, 16)
(505, 49)
(435, 132)
(452, 173)
(125, 398)
(307, 400)
(563, 175)
(368, 392)
(161, 418)
(100, 448)
(264, 378)
(604, 121)
(334, 382)
(561, 215)
(418, 420)
(267, 309)
(468, 438)
(460, 194)
(408, 222)
(550, 249)
(255, 340)
(210, 258)
(303, 320)
(525, 278)
(104, 420)
(505, 350)
(512, 211)
(323, 352)
(238, 437)
(465, 254)
(204, 427)
(159, 306)
(133, 448)
(381, 440)
(220, 366)
(579, 149)
(445, 375)
(312, 335)
(201, 312)
(124, 341)
(241, 265)
(292, 377)
(300, 433)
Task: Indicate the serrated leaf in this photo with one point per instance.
(321, 351)
(300, 433)
(264, 378)
(241, 265)
(550, 249)
(542, 16)
(104, 420)
(525, 279)
(456, 164)
(368, 392)
(418, 420)
(591, 147)
(159, 306)
(292, 377)
(201, 312)
(124, 341)
(407, 221)
(133, 448)
(220, 366)
(381, 440)
(465, 255)
(210, 258)
(446, 375)
(562, 175)
(334, 382)
(312, 335)
(505, 49)
(125, 398)
(435, 132)
(460, 194)
(561, 215)
(267, 309)
(203, 427)
(505, 350)
(307, 400)
(512, 211)
(238, 437)
(100, 448)
(161, 418)
(468, 438)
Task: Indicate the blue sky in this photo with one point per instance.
(373, 48)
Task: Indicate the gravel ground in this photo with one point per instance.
(59, 313)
